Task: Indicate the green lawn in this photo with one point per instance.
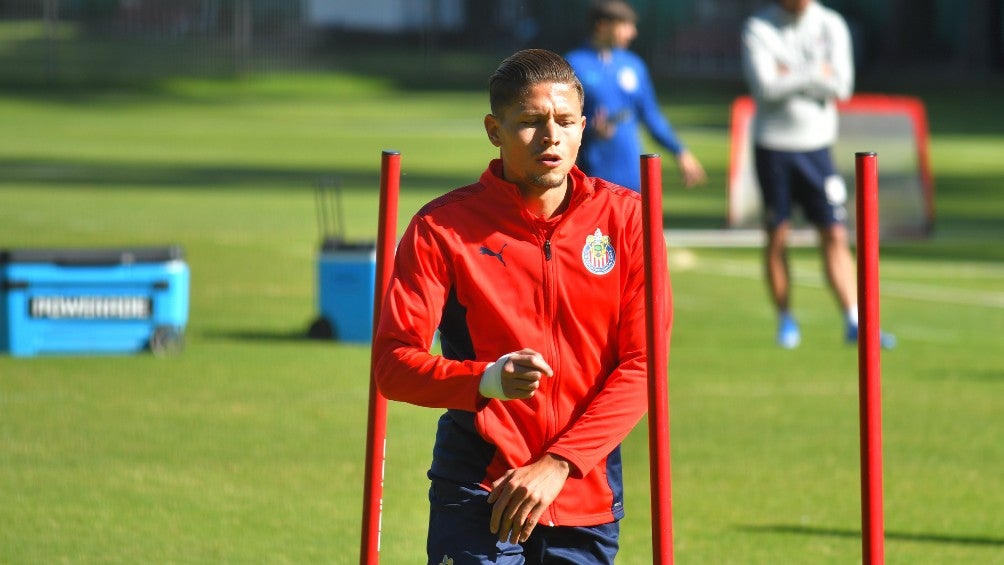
(249, 447)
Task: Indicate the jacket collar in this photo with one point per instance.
(582, 185)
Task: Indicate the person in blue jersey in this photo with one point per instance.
(619, 98)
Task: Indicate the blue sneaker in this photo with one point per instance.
(788, 335)
(888, 341)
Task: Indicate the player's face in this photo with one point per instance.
(794, 6)
(615, 34)
(539, 136)
(623, 33)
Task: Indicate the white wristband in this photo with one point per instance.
(491, 380)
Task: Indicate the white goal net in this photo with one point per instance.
(894, 127)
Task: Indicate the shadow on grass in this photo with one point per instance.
(693, 220)
(278, 337)
(259, 335)
(960, 231)
(975, 374)
(897, 536)
(105, 175)
(961, 244)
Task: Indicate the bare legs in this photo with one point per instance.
(776, 262)
(838, 266)
(779, 282)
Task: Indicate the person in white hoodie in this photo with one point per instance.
(798, 62)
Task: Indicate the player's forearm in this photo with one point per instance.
(667, 138)
(830, 81)
(408, 373)
(660, 127)
(770, 80)
(603, 426)
(623, 399)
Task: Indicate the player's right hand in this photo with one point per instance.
(522, 372)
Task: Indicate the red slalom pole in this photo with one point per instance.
(658, 313)
(376, 423)
(869, 365)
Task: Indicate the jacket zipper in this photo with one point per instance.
(550, 286)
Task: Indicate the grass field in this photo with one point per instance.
(249, 446)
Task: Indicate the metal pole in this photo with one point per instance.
(869, 366)
(658, 313)
(376, 423)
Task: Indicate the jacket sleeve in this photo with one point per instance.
(773, 76)
(403, 366)
(651, 115)
(840, 57)
(623, 399)
(763, 57)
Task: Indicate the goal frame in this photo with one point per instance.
(743, 193)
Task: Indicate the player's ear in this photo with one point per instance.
(492, 129)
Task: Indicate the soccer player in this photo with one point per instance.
(798, 62)
(620, 97)
(534, 277)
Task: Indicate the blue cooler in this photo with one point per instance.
(346, 279)
(82, 301)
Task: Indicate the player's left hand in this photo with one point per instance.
(520, 497)
(691, 169)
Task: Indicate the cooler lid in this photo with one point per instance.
(93, 256)
(339, 244)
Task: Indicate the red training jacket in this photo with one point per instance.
(494, 279)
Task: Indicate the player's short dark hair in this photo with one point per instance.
(524, 69)
(611, 11)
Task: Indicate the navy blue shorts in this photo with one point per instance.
(459, 516)
(807, 179)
